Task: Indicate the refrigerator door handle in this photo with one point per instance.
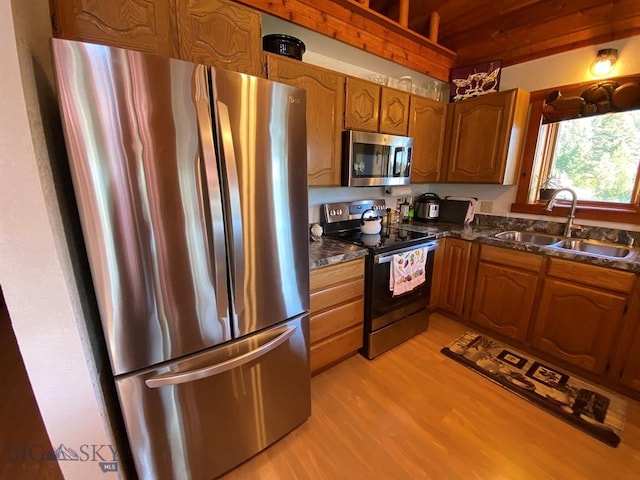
(211, 370)
(235, 219)
(214, 229)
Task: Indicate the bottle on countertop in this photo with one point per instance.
(404, 211)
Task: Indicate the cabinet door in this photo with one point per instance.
(577, 323)
(220, 33)
(394, 111)
(486, 138)
(144, 25)
(503, 299)
(454, 275)
(631, 373)
(325, 109)
(362, 105)
(427, 120)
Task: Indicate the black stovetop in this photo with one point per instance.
(390, 238)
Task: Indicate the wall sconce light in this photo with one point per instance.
(604, 62)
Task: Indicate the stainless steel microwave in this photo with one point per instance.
(370, 159)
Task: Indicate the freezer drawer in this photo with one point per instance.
(203, 415)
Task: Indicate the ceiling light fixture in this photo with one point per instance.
(604, 62)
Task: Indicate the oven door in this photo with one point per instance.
(386, 309)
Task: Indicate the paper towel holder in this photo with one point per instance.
(398, 191)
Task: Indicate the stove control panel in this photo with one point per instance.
(339, 212)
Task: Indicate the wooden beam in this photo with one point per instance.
(403, 18)
(365, 29)
(434, 24)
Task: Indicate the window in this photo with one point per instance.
(597, 156)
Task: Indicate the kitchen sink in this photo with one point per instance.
(573, 245)
(528, 237)
(595, 247)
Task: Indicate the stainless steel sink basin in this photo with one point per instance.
(595, 247)
(574, 245)
(528, 237)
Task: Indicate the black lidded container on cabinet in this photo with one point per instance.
(284, 45)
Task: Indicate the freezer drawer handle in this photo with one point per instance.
(184, 377)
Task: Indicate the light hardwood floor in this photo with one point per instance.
(414, 413)
(21, 426)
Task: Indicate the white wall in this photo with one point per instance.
(36, 272)
(332, 54)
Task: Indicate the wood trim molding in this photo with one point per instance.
(363, 28)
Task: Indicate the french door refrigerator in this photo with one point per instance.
(192, 192)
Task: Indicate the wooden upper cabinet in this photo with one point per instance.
(144, 25)
(373, 108)
(427, 121)
(220, 33)
(486, 138)
(394, 111)
(325, 111)
(362, 105)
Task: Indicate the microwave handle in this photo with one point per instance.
(397, 162)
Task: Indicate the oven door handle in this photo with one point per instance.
(387, 257)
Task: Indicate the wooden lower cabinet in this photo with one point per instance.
(580, 313)
(455, 270)
(631, 373)
(337, 311)
(505, 291)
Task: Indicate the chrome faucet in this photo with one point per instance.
(572, 212)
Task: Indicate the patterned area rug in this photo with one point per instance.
(593, 410)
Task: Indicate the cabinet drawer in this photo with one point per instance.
(336, 295)
(511, 258)
(336, 274)
(333, 349)
(340, 318)
(602, 277)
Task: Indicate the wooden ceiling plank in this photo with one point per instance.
(561, 27)
(460, 15)
(570, 40)
(532, 18)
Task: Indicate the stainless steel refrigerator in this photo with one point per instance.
(191, 185)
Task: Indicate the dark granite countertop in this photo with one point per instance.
(327, 251)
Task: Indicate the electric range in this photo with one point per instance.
(389, 319)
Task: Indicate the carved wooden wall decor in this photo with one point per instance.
(599, 98)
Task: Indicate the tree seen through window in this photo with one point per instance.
(598, 156)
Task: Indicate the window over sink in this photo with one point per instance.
(593, 148)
